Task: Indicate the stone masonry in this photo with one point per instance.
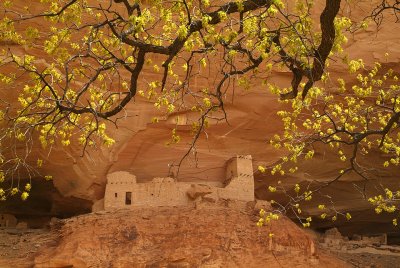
(123, 190)
(8, 221)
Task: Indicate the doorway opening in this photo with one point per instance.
(128, 198)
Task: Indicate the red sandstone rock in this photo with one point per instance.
(171, 237)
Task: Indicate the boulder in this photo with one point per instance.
(199, 190)
(262, 204)
(22, 225)
(98, 205)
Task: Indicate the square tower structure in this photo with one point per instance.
(239, 179)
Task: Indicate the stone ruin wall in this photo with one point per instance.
(333, 240)
(377, 239)
(159, 192)
(122, 189)
(8, 221)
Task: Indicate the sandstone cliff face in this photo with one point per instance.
(140, 145)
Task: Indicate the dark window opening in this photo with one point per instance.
(128, 198)
(116, 194)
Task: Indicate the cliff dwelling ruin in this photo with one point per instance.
(8, 221)
(123, 190)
